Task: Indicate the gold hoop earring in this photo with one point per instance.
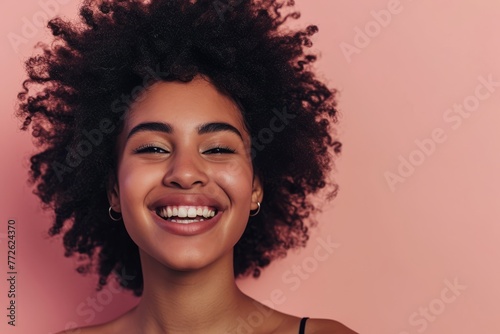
(256, 212)
(111, 215)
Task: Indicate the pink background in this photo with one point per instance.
(399, 247)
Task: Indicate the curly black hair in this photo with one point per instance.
(80, 86)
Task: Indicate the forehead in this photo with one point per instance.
(184, 105)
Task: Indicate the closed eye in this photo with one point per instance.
(220, 150)
(150, 149)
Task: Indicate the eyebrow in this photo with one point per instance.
(150, 126)
(167, 128)
(216, 127)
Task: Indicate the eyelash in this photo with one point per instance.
(149, 148)
(221, 150)
(155, 150)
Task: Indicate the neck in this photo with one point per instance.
(200, 301)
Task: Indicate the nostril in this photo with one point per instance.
(175, 184)
(183, 173)
(185, 185)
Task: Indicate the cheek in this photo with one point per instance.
(135, 182)
(235, 171)
(236, 179)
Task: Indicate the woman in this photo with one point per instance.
(181, 143)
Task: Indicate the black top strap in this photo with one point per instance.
(302, 327)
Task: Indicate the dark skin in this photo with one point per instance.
(283, 324)
(189, 284)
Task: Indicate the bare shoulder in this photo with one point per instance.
(326, 326)
(77, 331)
(85, 330)
(121, 325)
(291, 324)
(96, 329)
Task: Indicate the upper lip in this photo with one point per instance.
(186, 200)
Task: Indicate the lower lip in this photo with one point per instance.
(187, 229)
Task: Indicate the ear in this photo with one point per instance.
(113, 191)
(257, 192)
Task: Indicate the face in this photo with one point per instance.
(184, 185)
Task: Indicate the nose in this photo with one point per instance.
(185, 170)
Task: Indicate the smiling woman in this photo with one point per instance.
(174, 164)
(206, 174)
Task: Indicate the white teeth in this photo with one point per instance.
(186, 221)
(186, 212)
(191, 213)
(183, 213)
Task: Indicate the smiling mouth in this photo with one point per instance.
(186, 214)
